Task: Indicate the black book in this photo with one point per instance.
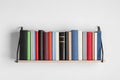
(40, 33)
(23, 45)
(66, 45)
(62, 45)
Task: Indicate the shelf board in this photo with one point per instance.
(61, 61)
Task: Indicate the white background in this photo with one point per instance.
(58, 15)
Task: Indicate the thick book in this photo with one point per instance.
(57, 46)
(23, 45)
(33, 55)
(62, 45)
(89, 46)
(66, 45)
(84, 45)
(74, 44)
(37, 45)
(49, 45)
(53, 45)
(80, 45)
(41, 44)
(45, 46)
(98, 45)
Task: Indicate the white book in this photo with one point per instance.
(79, 45)
(95, 46)
(32, 45)
(84, 46)
(57, 46)
(70, 46)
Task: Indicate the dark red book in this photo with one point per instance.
(37, 45)
(89, 46)
(45, 46)
(49, 45)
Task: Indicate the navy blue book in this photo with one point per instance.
(98, 45)
(74, 44)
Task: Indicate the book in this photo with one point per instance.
(66, 45)
(80, 45)
(89, 46)
(98, 45)
(45, 46)
(95, 46)
(49, 45)
(62, 45)
(84, 45)
(37, 45)
(57, 46)
(70, 45)
(74, 44)
(53, 45)
(28, 45)
(23, 45)
(33, 55)
(41, 44)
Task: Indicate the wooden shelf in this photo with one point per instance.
(61, 61)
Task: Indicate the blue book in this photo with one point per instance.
(98, 45)
(74, 44)
(53, 45)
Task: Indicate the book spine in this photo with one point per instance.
(32, 45)
(57, 46)
(28, 45)
(45, 44)
(80, 45)
(66, 45)
(41, 44)
(84, 45)
(98, 45)
(70, 45)
(53, 46)
(95, 46)
(89, 46)
(74, 44)
(49, 45)
(62, 45)
(37, 45)
(23, 45)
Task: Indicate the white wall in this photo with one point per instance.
(59, 15)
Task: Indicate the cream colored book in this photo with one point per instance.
(70, 46)
(57, 46)
(79, 45)
(95, 46)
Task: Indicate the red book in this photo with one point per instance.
(37, 45)
(49, 45)
(89, 46)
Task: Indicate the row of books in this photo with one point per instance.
(68, 45)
